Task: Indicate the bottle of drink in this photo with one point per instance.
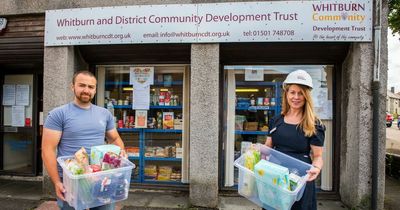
(110, 107)
(252, 100)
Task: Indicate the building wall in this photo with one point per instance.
(356, 124)
(356, 103)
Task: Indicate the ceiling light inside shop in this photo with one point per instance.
(127, 88)
(246, 90)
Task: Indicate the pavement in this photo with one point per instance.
(27, 195)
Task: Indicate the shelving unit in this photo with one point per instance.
(115, 86)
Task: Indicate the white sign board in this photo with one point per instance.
(276, 21)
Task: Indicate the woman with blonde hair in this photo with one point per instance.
(298, 132)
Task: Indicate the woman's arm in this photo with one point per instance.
(317, 162)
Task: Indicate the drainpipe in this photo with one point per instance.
(375, 105)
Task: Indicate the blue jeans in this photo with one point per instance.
(63, 205)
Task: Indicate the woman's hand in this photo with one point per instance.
(313, 173)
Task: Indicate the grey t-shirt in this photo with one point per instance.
(80, 127)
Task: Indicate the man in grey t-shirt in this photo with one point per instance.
(74, 125)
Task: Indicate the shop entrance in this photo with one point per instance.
(19, 133)
(253, 97)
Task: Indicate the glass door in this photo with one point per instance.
(18, 136)
(253, 96)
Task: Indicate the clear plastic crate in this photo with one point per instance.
(96, 189)
(265, 194)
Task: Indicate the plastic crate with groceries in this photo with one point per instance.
(102, 179)
(271, 179)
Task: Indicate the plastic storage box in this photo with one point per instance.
(265, 194)
(96, 189)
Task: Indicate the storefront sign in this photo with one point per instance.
(272, 21)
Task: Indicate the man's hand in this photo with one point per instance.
(60, 190)
(123, 154)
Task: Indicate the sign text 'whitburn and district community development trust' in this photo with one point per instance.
(281, 21)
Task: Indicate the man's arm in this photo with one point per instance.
(50, 140)
(114, 138)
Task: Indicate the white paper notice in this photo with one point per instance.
(141, 76)
(141, 98)
(8, 95)
(18, 116)
(252, 74)
(22, 95)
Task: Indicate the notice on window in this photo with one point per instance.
(8, 95)
(141, 76)
(252, 74)
(22, 95)
(18, 116)
(141, 119)
(322, 106)
(141, 98)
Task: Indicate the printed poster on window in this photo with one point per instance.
(141, 98)
(22, 95)
(141, 76)
(8, 95)
(253, 74)
(141, 119)
(18, 116)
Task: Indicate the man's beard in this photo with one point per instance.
(83, 99)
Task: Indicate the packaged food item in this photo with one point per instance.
(167, 100)
(272, 174)
(260, 101)
(168, 120)
(97, 152)
(239, 120)
(150, 152)
(252, 100)
(164, 173)
(161, 99)
(294, 180)
(74, 167)
(94, 168)
(159, 152)
(110, 161)
(82, 157)
(132, 151)
(150, 171)
(141, 119)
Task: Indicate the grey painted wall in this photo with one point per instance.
(204, 125)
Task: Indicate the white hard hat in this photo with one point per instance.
(300, 77)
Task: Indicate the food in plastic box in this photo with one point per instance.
(97, 152)
(96, 189)
(272, 173)
(272, 196)
(110, 161)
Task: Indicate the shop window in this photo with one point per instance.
(253, 96)
(155, 139)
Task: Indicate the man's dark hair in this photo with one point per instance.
(84, 72)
